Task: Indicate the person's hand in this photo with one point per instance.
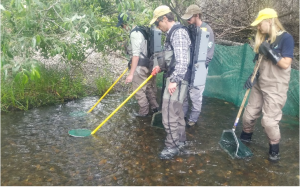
(155, 70)
(248, 83)
(172, 87)
(128, 79)
(266, 50)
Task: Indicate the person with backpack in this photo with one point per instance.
(195, 93)
(269, 89)
(175, 59)
(140, 68)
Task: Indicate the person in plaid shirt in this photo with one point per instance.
(176, 56)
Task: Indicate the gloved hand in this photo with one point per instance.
(248, 83)
(266, 50)
(155, 70)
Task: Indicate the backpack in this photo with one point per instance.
(146, 33)
(153, 37)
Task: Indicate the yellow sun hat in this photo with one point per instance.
(264, 14)
(159, 11)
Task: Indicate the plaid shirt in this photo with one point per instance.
(181, 42)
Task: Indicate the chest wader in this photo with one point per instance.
(172, 112)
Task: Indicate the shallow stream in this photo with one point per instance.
(37, 150)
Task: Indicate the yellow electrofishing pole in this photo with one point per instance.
(86, 132)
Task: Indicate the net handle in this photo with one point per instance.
(154, 72)
(247, 92)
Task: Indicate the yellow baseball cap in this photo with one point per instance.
(190, 11)
(159, 11)
(264, 14)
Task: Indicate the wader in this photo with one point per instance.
(172, 106)
(172, 114)
(147, 94)
(267, 97)
(195, 94)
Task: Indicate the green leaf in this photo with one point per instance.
(132, 5)
(38, 39)
(17, 77)
(25, 79)
(119, 8)
(32, 74)
(37, 73)
(69, 56)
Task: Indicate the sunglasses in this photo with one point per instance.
(190, 18)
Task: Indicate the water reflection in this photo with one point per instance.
(37, 150)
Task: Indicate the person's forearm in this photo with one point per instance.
(284, 62)
(134, 63)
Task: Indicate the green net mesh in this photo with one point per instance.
(78, 113)
(228, 71)
(157, 120)
(80, 132)
(233, 146)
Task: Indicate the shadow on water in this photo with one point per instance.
(37, 150)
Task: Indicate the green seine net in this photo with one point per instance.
(233, 146)
(80, 132)
(230, 68)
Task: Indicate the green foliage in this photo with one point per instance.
(39, 86)
(67, 28)
(103, 82)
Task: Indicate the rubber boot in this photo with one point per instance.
(168, 153)
(246, 137)
(274, 152)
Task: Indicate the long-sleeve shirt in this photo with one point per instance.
(181, 43)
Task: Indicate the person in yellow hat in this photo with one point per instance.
(269, 93)
(195, 93)
(176, 58)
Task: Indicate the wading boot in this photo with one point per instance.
(168, 153)
(274, 152)
(181, 145)
(154, 110)
(246, 137)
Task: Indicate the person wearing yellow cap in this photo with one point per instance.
(269, 91)
(176, 57)
(195, 93)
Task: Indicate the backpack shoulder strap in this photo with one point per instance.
(141, 30)
(173, 29)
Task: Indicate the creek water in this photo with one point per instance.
(37, 150)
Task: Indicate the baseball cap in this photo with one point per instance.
(190, 11)
(264, 14)
(120, 18)
(159, 11)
